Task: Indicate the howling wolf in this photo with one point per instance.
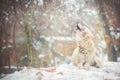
(84, 55)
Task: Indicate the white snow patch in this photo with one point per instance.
(58, 38)
(9, 46)
(111, 28)
(109, 71)
(44, 14)
(21, 22)
(36, 44)
(118, 59)
(41, 56)
(6, 18)
(25, 74)
(13, 67)
(35, 2)
(52, 17)
(17, 0)
(117, 36)
(51, 26)
(23, 57)
(40, 2)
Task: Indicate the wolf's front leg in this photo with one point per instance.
(87, 66)
(98, 62)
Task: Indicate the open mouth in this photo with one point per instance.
(79, 27)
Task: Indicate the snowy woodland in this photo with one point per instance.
(38, 37)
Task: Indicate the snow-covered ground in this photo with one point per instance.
(109, 71)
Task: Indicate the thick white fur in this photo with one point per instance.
(85, 53)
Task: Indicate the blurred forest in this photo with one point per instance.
(41, 33)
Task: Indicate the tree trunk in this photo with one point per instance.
(111, 51)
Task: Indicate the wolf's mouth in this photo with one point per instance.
(79, 27)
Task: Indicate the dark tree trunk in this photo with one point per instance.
(112, 56)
